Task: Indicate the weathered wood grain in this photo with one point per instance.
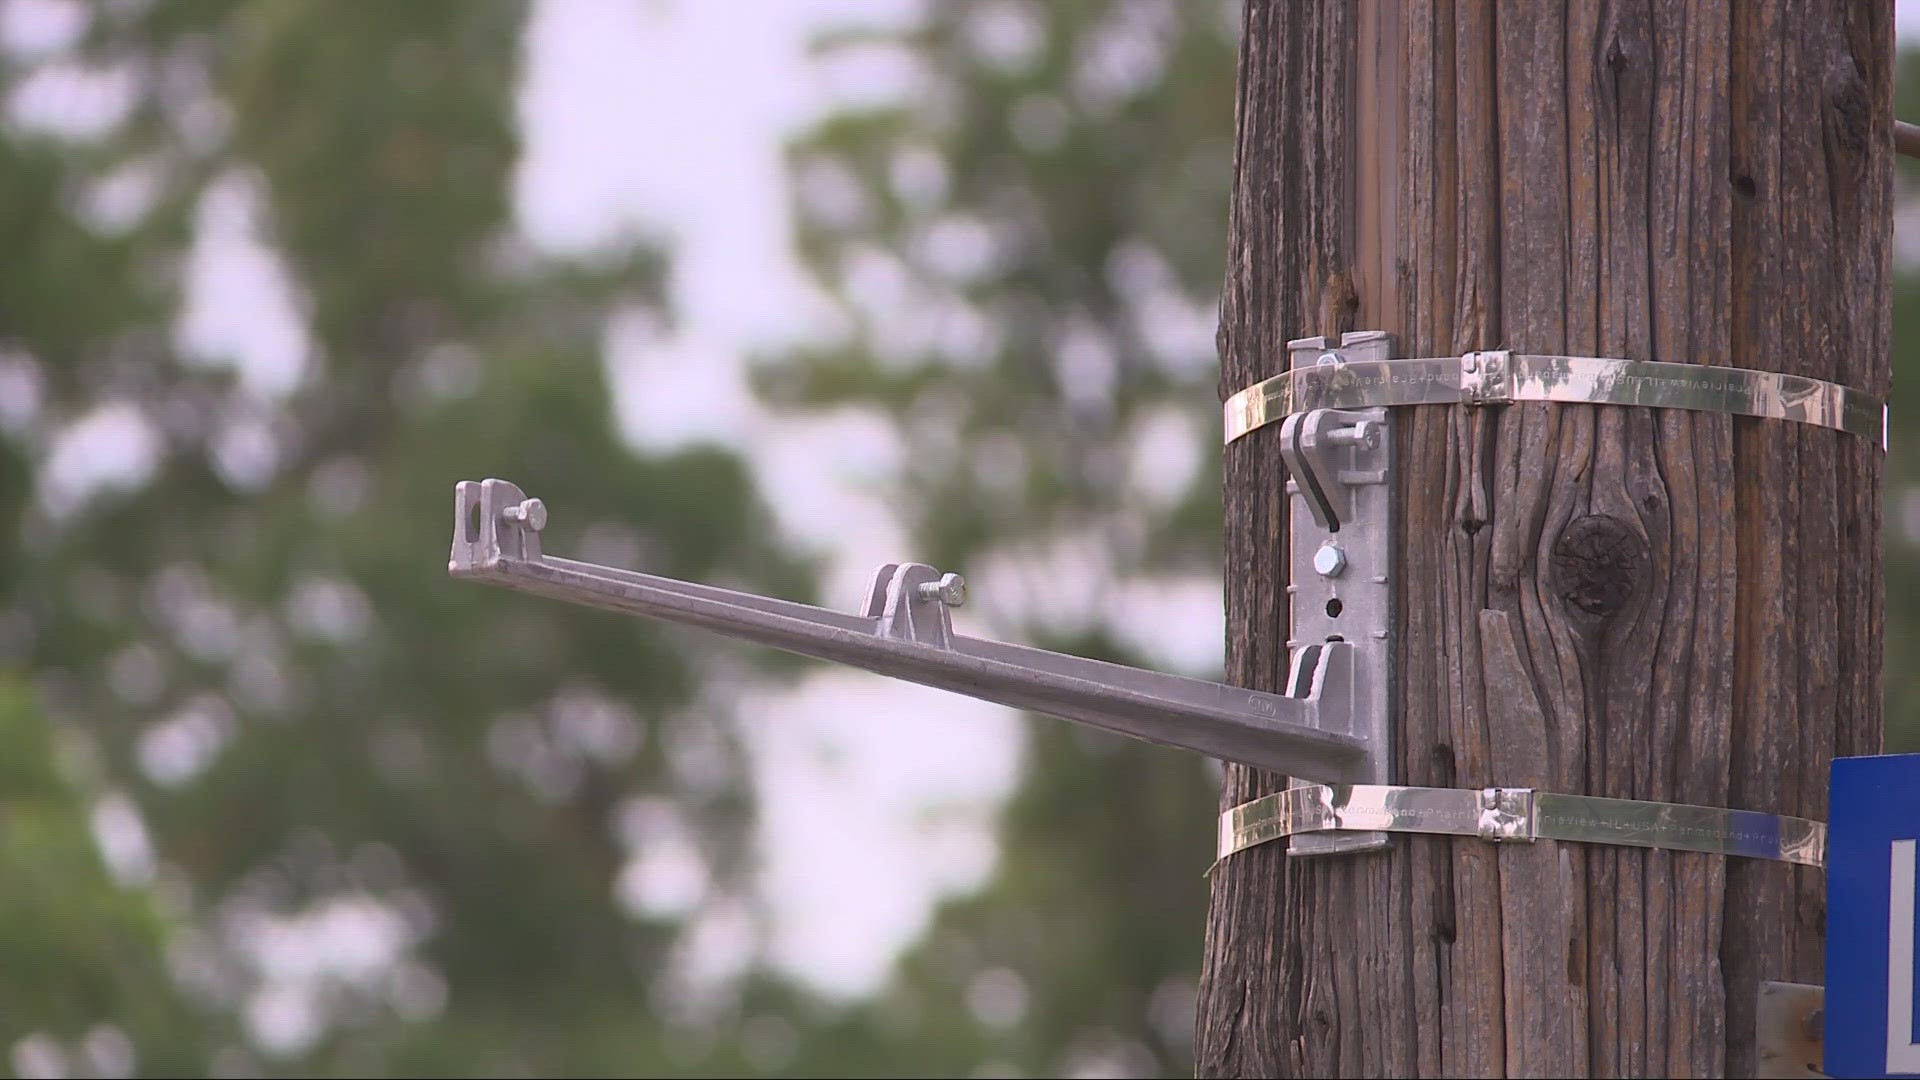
(1642, 604)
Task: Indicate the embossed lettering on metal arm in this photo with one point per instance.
(1498, 378)
(906, 632)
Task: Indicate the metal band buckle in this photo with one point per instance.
(1506, 814)
(1483, 378)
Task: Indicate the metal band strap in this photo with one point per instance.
(1497, 378)
(1509, 814)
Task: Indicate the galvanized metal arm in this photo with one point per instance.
(905, 631)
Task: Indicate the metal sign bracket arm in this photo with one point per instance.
(904, 630)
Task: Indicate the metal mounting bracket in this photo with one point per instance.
(1341, 544)
(905, 631)
(1331, 726)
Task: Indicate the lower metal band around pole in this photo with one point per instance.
(1498, 378)
(1521, 814)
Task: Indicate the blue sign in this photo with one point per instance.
(1873, 832)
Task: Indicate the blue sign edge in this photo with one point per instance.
(1872, 801)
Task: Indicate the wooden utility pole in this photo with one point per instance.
(1598, 600)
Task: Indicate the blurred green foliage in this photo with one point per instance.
(84, 957)
(393, 814)
(314, 731)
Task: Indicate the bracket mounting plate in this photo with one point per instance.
(1340, 554)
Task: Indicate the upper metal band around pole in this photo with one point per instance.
(1508, 814)
(1496, 378)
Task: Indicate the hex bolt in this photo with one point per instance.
(532, 513)
(1329, 561)
(950, 590)
(1363, 433)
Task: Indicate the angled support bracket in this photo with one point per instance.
(905, 631)
(1331, 726)
(1340, 553)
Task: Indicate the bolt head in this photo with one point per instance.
(950, 590)
(1329, 561)
(532, 513)
(1363, 433)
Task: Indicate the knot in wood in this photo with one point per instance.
(1616, 55)
(1849, 108)
(1599, 564)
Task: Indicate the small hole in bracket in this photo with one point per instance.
(473, 522)
(1333, 608)
(1335, 637)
